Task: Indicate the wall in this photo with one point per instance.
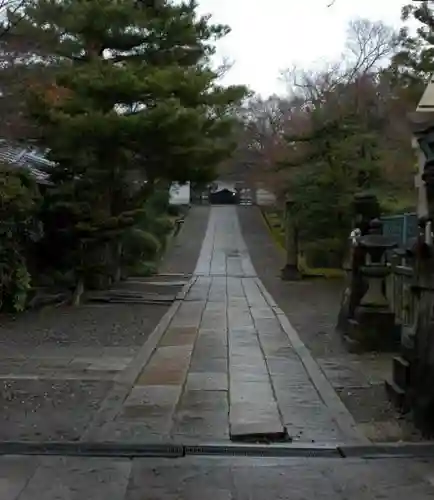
(179, 194)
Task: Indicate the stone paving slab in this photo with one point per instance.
(217, 478)
(15, 473)
(53, 365)
(75, 479)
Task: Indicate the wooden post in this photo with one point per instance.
(290, 272)
(422, 204)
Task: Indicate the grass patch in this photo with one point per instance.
(398, 202)
(321, 272)
(274, 222)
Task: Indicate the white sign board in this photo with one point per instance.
(426, 104)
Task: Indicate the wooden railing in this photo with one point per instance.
(398, 288)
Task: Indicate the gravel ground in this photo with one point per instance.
(312, 307)
(114, 325)
(48, 410)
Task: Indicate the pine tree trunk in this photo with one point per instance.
(78, 292)
(117, 275)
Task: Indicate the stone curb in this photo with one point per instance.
(388, 450)
(337, 409)
(123, 383)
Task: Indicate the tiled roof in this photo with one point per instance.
(25, 157)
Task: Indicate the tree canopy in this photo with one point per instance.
(341, 129)
(128, 104)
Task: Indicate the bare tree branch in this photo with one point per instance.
(368, 45)
(224, 67)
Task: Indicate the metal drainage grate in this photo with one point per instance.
(258, 450)
(92, 449)
(173, 450)
(164, 450)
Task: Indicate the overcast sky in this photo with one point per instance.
(270, 35)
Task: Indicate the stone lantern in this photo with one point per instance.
(373, 326)
(375, 269)
(365, 207)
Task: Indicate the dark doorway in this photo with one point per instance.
(224, 197)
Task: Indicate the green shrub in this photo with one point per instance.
(174, 210)
(19, 229)
(162, 226)
(143, 269)
(140, 246)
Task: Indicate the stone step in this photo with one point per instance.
(129, 296)
(407, 343)
(397, 396)
(401, 372)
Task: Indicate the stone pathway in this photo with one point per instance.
(312, 307)
(216, 478)
(226, 364)
(229, 365)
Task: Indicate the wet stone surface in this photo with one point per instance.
(223, 353)
(224, 366)
(72, 478)
(217, 478)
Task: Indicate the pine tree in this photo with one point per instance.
(337, 156)
(414, 63)
(133, 105)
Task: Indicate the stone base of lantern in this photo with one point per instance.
(290, 273)
(372, 329)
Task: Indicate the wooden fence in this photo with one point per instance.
(398, 284)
